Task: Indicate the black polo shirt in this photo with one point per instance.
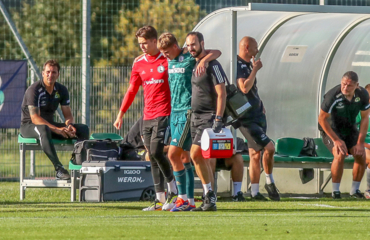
(204, 95)
(243, 70)
(36, 95)
(343, 112)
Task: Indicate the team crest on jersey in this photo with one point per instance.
(181, 58)
(57, 95)
(357, 99)
(160, 69)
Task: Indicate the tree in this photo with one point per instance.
(176, 16)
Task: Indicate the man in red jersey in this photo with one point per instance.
(150, 71)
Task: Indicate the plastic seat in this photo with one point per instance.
(102, 136)
(24, 140)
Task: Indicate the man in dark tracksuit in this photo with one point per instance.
(40, 102)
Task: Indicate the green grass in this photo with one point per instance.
(48, 214)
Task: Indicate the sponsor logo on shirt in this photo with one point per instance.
(43, 103)
(160, 69)
(176, 70)
(243, 66)
(340, 105)
(357, 99)
(154, 81)
(143, 72)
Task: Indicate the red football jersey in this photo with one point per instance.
(151, 73)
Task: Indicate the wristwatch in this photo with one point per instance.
(218, 118)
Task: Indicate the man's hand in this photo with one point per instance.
(118, 123)
(340, 147)
(257, 64)
(61, 131)
(201, 68)
(358, 149)
(217, 126)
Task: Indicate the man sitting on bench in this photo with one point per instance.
(40, 101)
(236, 165)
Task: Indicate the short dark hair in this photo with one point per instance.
(147, 32)
(198, 34)
(351, 75)
(51, 62)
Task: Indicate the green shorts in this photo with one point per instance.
(180, 130)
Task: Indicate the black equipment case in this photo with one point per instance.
(116, 180)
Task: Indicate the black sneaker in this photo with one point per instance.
(198, 209)
(239, 197)
(358, 194)
(336, 195)
(259, 197)
(62, 174)
(272, 191)
(210, 202)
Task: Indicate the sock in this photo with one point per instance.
(189, 180)
(172, 186)
(368, 178)
(237, 187)
(183, 197)
(180, 181)
(269, 178)
(255, 188)
(335, 187)
(191, 201)
(161, 197)
(207, 187)
(355, 186)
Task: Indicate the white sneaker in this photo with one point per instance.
(170, 202)
(367, 194)
(156, 206)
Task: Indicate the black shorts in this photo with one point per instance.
(199, 122)
(349, 140)
(221, 164)
(154, 130)
(254, 130)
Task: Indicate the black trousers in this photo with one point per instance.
(45, 135)
(153, 133)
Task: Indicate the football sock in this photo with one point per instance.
(335, 187)
(255, 188)
(180, 177)
(237, 187)
(161, 196)
(191, 201)
(355, 187)
(189, 180)
(269, 178)
(368, 178)
(172, 186)
(183, 197)
(207, 187)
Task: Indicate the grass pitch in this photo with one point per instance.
(48, 214)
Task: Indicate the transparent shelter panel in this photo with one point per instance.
(217, 29)
(353, 54)
(293, 61)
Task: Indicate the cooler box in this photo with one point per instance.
(217, 145)
(115, 181)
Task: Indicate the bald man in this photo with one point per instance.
(253, 125)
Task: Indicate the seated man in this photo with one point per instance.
(236, 165)
(337, 124)
(40, 101)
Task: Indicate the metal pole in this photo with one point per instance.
(19, 40)
(86, 19)
(323, 2)
(233, 58)
(32, 152)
